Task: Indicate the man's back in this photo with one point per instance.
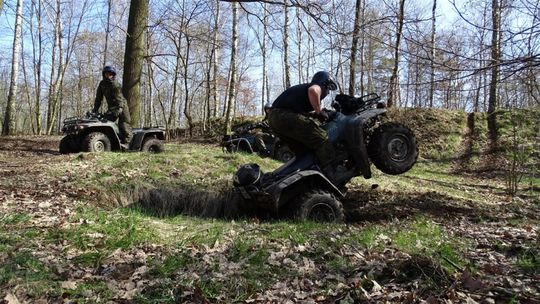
(295, 99)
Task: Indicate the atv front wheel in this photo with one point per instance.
(153, 145)
(320, 206)
(96, 142)
(392, 148)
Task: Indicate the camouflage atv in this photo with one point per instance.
(95, 133)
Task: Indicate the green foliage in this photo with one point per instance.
(529, 261)
(90, 259)
(438, 132)
(97, 289)
(25, 268)
(170, 264)
(105, 230)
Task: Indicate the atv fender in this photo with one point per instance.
(139, 135)
(296, 184)
(355, 137)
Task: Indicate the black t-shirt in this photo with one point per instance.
(295, 99)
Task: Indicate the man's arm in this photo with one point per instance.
(314, 95)
(99, 98)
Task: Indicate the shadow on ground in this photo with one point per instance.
(187, 200)
(359, 205)
(34, 144)
(377, 205)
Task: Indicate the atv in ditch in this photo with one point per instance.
(300, 190)
(95, 133)
(244, 139)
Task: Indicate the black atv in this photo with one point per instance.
(299, 189)
(243, 139)
(95, 133)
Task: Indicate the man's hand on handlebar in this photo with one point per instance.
(322, 116)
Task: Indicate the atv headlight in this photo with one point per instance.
(247, 175)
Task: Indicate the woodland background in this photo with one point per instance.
(205, 59)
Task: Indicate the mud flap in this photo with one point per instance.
(357, 146)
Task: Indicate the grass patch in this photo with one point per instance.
(92, 259)
(26, 270)
(529, 261)
(419, 236)
(104, 229)
(14, 218)
(170, 264)
(86, 292)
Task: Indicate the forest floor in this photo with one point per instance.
(69, 234)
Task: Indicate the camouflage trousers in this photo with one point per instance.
(297, 128)
(124, 126)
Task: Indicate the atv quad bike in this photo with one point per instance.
(299, 189)
(95, 133)
(242, 139)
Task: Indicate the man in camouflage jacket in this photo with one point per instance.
(117, 107)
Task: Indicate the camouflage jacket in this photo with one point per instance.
(112, 91)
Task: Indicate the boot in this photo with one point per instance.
(337, 174)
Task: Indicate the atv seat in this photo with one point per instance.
(303, 162)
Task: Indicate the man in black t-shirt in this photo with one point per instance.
(290, 122)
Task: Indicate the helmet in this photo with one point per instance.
(323, 79)
(247, 175)
(109, 69)
(267, 105)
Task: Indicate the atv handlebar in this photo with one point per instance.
(350, 104)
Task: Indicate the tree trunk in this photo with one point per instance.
(392, 92)
(493, 85)
(187, 103)
(362, 50)
(354, 48)
(215, 59)
(286, 46)
(133, 57)
(9, 119)
(51, 104)
(37, 57)
(299, 44)
(432, 55)
(150, 103)
(173, 114)
(232, 81)
(107, 32)
(263, 51)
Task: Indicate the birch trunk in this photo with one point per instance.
(354, 48)
(232, 81)
(494, 82)
(9, 119)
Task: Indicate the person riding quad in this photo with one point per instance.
(292, 119)
(117, 107)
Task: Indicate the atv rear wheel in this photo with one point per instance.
(320, 206)
(96, 142)
(153, 145)
(392, 148)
